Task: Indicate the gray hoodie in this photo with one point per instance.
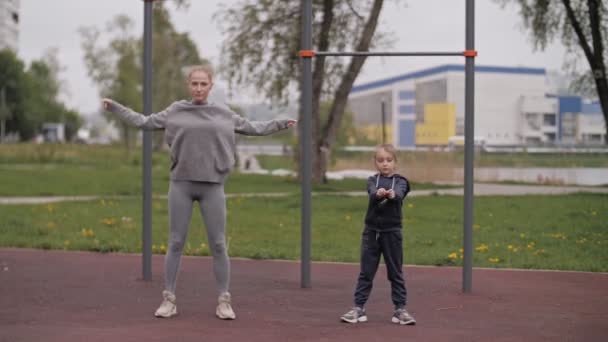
(201, 136)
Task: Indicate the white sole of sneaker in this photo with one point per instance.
(397, 321)
(353, 321)
(220, 316)
(166, 315)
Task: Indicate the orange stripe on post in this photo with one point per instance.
(307, 53)
(470, 53)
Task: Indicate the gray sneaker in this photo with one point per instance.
(224, 309)
(167, 308)
(401, 316)
(354, 315)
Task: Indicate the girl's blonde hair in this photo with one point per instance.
(388, 148)
(206, 68)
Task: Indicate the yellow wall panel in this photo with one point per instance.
(439, 124)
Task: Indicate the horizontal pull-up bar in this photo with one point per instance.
(312, 53)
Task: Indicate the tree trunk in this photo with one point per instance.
(602, 92)
(594, 53)
(338, 107)
(318, 77)
(598, 68)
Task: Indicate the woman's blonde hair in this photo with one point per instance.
(388, 148)
(206, 68)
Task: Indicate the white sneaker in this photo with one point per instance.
(224, 309)
(167, 308)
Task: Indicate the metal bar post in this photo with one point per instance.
(383, 108)
(389, 54)
(469, 149)
(306, 141)
(147, 145)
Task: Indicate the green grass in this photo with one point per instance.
(67, 179)
(276, 162)
(456, 159)
(540, 232)
(53, 170)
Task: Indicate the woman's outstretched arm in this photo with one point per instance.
(150, 122)
(246, 127)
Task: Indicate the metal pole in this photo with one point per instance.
(3, 113)
(469, 149)
(383, 122)
(306, 140)
(147, 145)
(389, 54)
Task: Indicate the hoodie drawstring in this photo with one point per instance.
(378, 182)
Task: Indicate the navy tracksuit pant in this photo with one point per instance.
(390, 246)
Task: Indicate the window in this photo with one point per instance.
(406, 109)
(532, 121)
(406, 95)
(549, 119)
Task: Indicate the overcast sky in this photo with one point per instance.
(420, 25)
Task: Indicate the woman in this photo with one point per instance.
(201, 136)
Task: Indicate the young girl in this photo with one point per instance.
(382, 236)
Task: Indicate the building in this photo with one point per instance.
(512, 108)
(9, 24)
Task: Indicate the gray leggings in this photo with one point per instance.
(212, 202)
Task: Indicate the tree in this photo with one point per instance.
(13, 94)
(42, 102)
(261, 50)
(116, 67)
(29, 98)
(582, 26)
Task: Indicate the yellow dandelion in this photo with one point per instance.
(347, 217)
(482, 248)
(510, 247)
(476, 226)
(162, 248)
(460, 250)
(522, 235)
(531, 246)
(51, 225)
(453, 255)
(50, 208)
(494, 260)
(410, 205)
(558, 236)
(109, 221)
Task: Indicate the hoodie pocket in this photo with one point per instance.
(173, 161)
(224, 165)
